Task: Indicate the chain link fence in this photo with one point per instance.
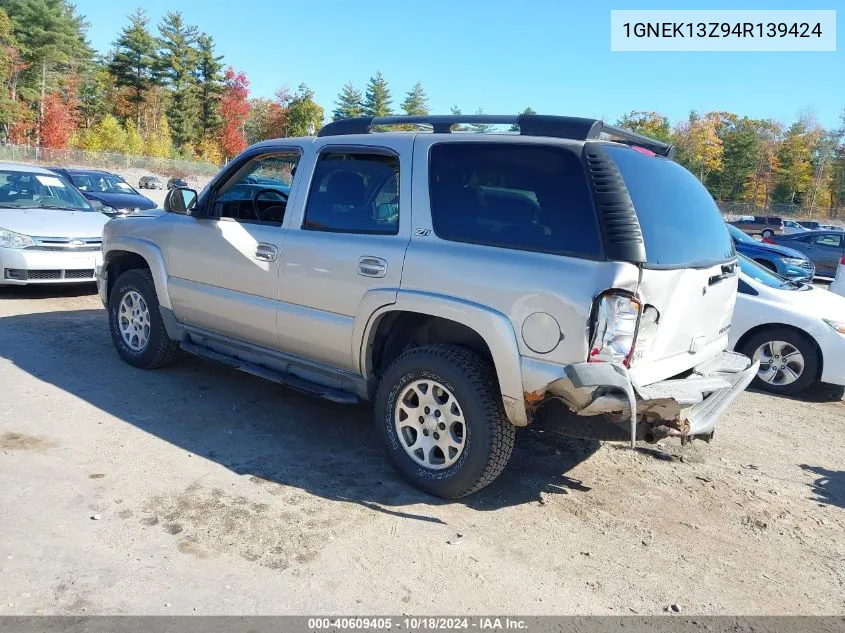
(782, 209)
(105, 160)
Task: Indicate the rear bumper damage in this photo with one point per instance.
(686, 407)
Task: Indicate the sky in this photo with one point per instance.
(502, 56)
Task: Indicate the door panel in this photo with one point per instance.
(223, 276)
(348, 236)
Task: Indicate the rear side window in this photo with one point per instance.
(354, 192)
(525, 197)
(681, 224)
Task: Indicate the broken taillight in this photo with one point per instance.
(615, 329)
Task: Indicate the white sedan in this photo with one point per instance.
(797, 332)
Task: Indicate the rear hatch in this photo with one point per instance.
(689, 277)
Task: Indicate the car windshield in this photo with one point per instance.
(93, 182)
(739, 236)
(766, 277)
(23, 189)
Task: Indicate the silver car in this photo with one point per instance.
(49, 233)
(460, 281)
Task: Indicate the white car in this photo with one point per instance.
(838, 284)
(49, 233)
(797, 332)
(791, 226)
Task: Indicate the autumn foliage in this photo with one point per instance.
(57, 124)
(234, 110)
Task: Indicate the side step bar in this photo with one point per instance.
(282, 378)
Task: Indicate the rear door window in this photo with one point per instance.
(828, 240)
(681, 224)
(524, 197)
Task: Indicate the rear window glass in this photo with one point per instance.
(525, 197)
(681, 224)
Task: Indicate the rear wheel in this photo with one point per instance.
(137, 329)
(767, 233)
(789, 361)
(440, 416)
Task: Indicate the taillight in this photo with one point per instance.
(768, 240)
(842, 261)
(615, 329)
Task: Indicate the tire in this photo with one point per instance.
(800, 342)
(767, 265)
(487, 434)
(767, 233)
(159, 350)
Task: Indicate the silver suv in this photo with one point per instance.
(461, 281)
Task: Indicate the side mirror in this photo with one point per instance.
(180, 200)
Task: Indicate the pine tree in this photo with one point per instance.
(134, 61)
(52, 38)
(416, 101)
(515, 127)
(377, 100)
(349, 103)
(177, 61)
(209, 77)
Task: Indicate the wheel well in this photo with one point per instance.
(400, 331)
(743, 340)
(121, 261)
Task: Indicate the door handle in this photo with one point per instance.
(266, 252)
(372, 266)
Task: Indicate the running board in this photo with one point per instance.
(288, 380)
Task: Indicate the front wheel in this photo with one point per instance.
(767, 233)
(137, 329)
(440, 416)
(789, 361)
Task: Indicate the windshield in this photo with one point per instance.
(765, 276)
(93, 182)
(681, 224)
(739, 236)
(23, 189)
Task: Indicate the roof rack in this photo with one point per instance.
(575, 128)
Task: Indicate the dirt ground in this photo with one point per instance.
(199, 490)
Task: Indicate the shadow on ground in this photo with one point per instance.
(47, 291)
(257, 428)
(829, 487)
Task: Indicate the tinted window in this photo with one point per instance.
(774, 220)
(681, 224)
(833, 241)
(526, 197)
(354, 192)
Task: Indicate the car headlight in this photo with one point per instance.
(108, 210)
(839, 326)
(792, 261)
(10, 239)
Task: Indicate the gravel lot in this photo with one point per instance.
(200, 490)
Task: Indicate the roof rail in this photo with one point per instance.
(575, 128)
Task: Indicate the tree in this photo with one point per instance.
(133, 62)
(158, 143)
(95, 89)
(56, 126)
(177, 61)
(12, 110)
(649, 124)
(794, 177)
(377, 98)
(480, 127)
(699, 147)
(514, 127)
(266, 118)
(51, 36)
(134, 140)
(234, 110)
(349, 103)
(304, 116)
(209, 79)
(416, 101)
(108, 135)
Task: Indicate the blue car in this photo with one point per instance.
(786, 262)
